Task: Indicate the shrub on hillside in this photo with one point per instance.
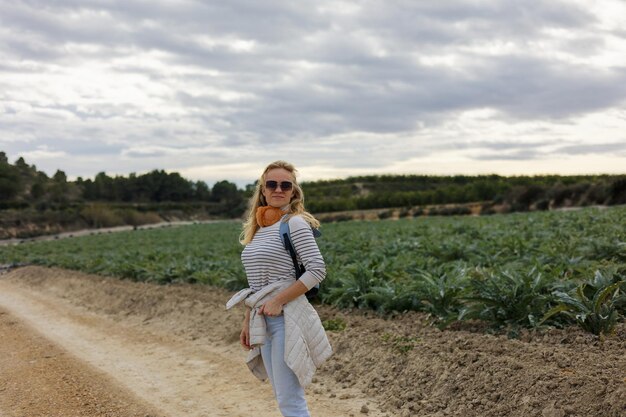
(543, 204)
(97, 215)
(405, 212)
(340, 217)
(521, 197)
(418, 212)
(595, 194)
(450, 211)
(617, 191)
(136, 218)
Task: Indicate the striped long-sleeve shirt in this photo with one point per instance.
(266, 260)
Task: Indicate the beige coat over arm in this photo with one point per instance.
(306, 343)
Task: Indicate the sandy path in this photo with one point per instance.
(41, 379)
(179, 377)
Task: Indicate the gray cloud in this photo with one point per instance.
(249, 75)
(519, 155)
(600, 148)
(529, 151)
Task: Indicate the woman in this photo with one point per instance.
(281, 329)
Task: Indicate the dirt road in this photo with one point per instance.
(62, 359)
(41, 379)
(73, 344)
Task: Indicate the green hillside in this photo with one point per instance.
(31, 203)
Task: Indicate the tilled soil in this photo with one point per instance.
(176, 348)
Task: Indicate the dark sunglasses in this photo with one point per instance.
(284, 185)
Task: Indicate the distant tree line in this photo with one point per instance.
(155, 186)
(23, 186)
(518, 193)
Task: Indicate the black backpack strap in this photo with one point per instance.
(285, 235)
(286, 238)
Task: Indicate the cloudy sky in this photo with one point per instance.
(217, 89)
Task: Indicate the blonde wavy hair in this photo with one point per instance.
(296, 205)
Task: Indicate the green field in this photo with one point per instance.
(508, 270)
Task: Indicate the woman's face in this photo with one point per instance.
(278, 197)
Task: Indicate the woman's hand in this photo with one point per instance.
(244, 336)
(271, 308)
(275, 306)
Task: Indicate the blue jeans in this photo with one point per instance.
(287, 389)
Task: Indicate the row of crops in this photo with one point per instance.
(511, 271)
